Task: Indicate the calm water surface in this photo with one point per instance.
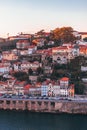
(15, 120)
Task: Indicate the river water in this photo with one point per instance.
(24, 120)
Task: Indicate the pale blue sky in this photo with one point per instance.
(32, 15)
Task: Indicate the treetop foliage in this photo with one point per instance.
(64, 34)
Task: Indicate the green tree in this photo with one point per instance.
(21, 76)
(30, 71)
(39, 70)
(41, 32)
(79, 87)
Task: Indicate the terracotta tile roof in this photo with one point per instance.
(64, 79)
(27, 86)
(3, 83)
(38, 84)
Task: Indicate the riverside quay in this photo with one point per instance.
(49, 106)
(26, 104)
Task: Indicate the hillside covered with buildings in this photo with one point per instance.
(44, 64)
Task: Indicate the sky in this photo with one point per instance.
(30, 16)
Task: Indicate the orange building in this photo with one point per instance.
(26, 88)
(71, 90)
(83, 50)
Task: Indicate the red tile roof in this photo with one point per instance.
(64, 79)
(27, 86)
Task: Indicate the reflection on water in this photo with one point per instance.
(24, 120)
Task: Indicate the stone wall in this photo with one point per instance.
(45, 106)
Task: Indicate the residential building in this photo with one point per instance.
(22, 44)
(4, 69)
(83, 50)
(64, 92)
(84, 68)
(26, 89)
(19, 87)
(25, 65)
(6, 55)
(56, 90)
(16, 66)
(50, 90)
(3, 86)
(64, 84)
(44, 89)
(75, 50)
(71, 91)
(62, 54)
(35, 91)
(32, 49)
(24, 52)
